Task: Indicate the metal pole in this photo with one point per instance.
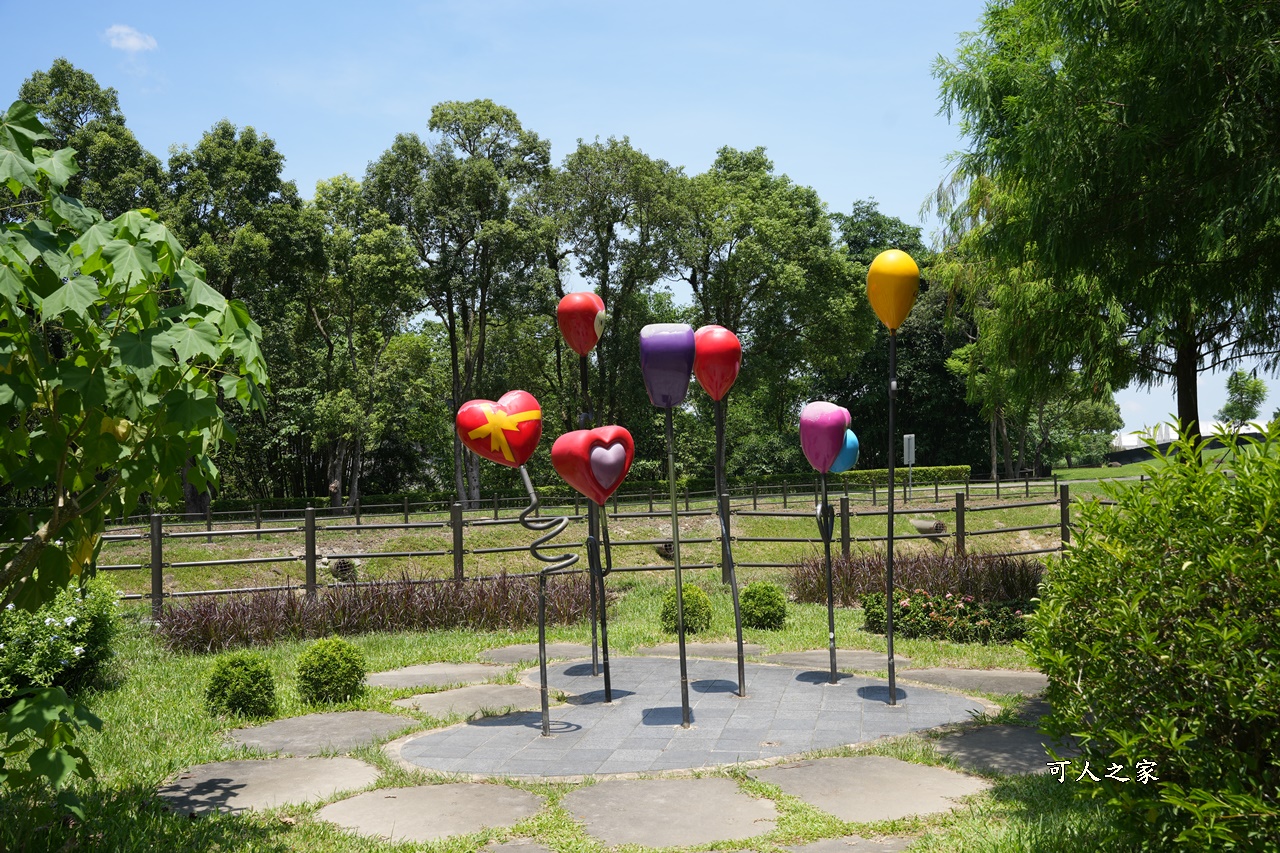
(604, 602)
(208, 522)
(405, 507)
(728, 573)
(826, 523)
(1064, 501)
(157, 566)
(845, 538)
(542, 654)
(888, 575)
(593, 533)
(675, 552)
(959, 524)
(257, 519)
(309, 536)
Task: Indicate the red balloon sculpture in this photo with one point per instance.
(580, 317)
(594, 461)
(717, 359)
(506, 432)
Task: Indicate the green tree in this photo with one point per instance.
(1245, 394)
(116, 174)
(459, 203)
(113, 350)
(1130, 153)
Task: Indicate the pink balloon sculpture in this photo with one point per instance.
(822, 427)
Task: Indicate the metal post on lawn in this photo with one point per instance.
(716, 362)
(309, 558)
(157, 566)
(826, 525)
(893, 281)
(593, 524)
(666, 363)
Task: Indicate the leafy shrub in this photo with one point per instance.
(697, 610)
(764, 605)
(1160, 635)
(241, 683)
(958, 618)
(215, 624)
(330, 670)
(65, 642)
(983, 578)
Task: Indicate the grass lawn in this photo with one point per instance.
(155, 725)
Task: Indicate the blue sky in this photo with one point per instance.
(840, 93)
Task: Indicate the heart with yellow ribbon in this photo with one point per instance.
(506, 431)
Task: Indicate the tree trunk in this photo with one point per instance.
(473, 478)
(1186, 368)
(357, 460)
(197, 502)
(458, 487)
(1008, 448)
(337, 460)
(995, 465)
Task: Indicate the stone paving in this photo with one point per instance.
(846, 659)
(700, 650)
(436, 675)
(785, 713)
(432, 812)
(789, 708)
(529, 652)
(316, 734)
(669, 812)
(475, 700)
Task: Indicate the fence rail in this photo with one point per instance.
(459, 518)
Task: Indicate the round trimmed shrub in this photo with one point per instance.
(330, 670)
(241, 684)
(697, 610)
(764, 605)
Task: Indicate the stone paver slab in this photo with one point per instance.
(669, 812)
(986, 680)
(871, 787)
(436, 675)
(432, 812)
(314, 734)
(518, 845)
(820, 659)
(857, 844)
(474, 700)
(1005, 749)
(234, 786)
(701, 650)
(529, 652)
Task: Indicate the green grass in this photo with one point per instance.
(155, 725)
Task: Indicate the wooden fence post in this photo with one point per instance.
(1064, 502)
(650, 500)
(405, 507)
(495, 507)
(844, 526)
(959, 524)
(357, 502)
(784, 495)
(257, 518)
(455, 521)
(1026, 481)
(997, 487)
(157, 566)
(873, 494)
(309, 558)
(208, 522)
(755, 497)
(686, 498)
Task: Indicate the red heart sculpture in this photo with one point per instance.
(717, 358)
(594, 461)
(580, 317)
(506, 431)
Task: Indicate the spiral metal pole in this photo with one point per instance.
(728, 570)
(685, 715)
(553, 527)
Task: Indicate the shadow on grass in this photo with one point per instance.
(132, 819)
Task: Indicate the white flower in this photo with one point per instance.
(1, 647)
(78, 650)
(70, 620)
(64, 663)
(9, 606)
(49, 621)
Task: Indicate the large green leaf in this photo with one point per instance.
(130, 262)
(148, 348)
(73, 212)
(76, 296)
(59, 165)
(12, 286)
(95, 238)
(188, 407)
(87, 382)
(200, 293)
(16, 171)
(20, 128)
(195, 340)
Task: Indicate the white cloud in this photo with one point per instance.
(126, 38)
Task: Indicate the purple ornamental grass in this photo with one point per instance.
(994, 578)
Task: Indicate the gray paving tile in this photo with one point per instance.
(984, 680)
(236, 786)
(436, 675)
(529, 652)
(314, 734)
(476, 699)
(1005, 749)
(432, 812)
(669, 812)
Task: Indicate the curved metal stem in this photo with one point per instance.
(593, 558)
(554, 526)
(685, 714)
(826, 527)
(728, 570)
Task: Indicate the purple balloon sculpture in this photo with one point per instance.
(666, 360)
(822, 428)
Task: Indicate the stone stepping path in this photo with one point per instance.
(820, 660)
(432, 812)
(700, 650)
(985, 680)
(478, 699)
(316, 734)
(871, 787)
(669, 812)
(517, 845)
(857, 844)
(436, 675)
(529, 652)
(1005, 749)
(786, 712)
(234, 786)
